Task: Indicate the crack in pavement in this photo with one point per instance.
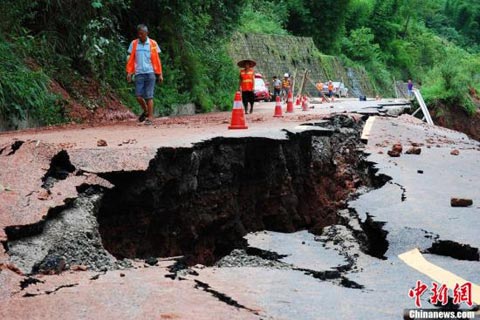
(454, 250)
(47, 292)
(404, 191)
(222, 297)
(15, 146)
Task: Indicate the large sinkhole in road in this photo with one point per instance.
(199, 202)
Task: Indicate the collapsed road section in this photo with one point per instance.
(199, 202)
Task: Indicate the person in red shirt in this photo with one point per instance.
(247, 83)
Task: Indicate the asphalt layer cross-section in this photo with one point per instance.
(283, 276)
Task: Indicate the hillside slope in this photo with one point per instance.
(279, 54)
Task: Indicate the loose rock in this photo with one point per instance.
(455, 152)
(393, 154)
(396, 151)
(102, 143)
(397, 148)
(414, 150)
(79, 268)
(43, 195)
(151, 261)
(459, 202)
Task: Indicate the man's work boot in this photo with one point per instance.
(142, 117)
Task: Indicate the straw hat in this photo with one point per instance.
(243, 63)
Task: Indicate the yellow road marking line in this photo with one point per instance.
(368, 128)
(415, 259)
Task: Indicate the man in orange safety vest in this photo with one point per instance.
(247, 83)
(144, 62)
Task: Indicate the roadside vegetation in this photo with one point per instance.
(434, 42)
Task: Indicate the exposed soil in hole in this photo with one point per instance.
(455, 118)
(201, 201)
(455, 250)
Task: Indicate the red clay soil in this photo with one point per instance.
(102, 106)
(456, 118)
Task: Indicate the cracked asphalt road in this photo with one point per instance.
(415, 209)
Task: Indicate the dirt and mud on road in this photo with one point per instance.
(295, 218)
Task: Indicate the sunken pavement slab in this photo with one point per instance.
(348, 270)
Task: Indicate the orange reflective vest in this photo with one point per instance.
(330, 87)
(156, 63)
(247, 79)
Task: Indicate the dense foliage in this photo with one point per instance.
(435, 42)
(71, 39)
(24, 92)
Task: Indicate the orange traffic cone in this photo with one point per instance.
(305, 104)
(290, 102)
(278, 108)
(238, 114)
(298, 102)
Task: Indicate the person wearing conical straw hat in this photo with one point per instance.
(247, 83)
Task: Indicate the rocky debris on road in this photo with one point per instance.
(66, 238)
(414, 150)
(102, 143)
(393, 154)
(240, 258)
(396, 150)
(66, 145)
(416, 144)
(78, 268)
(44, 195)
(151, 261)
(455, 152)
(128, 141)
(460, 202)
(52, 264)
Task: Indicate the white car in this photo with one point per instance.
(262, 93)
(339, 89)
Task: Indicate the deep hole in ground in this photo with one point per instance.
(201, 201)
